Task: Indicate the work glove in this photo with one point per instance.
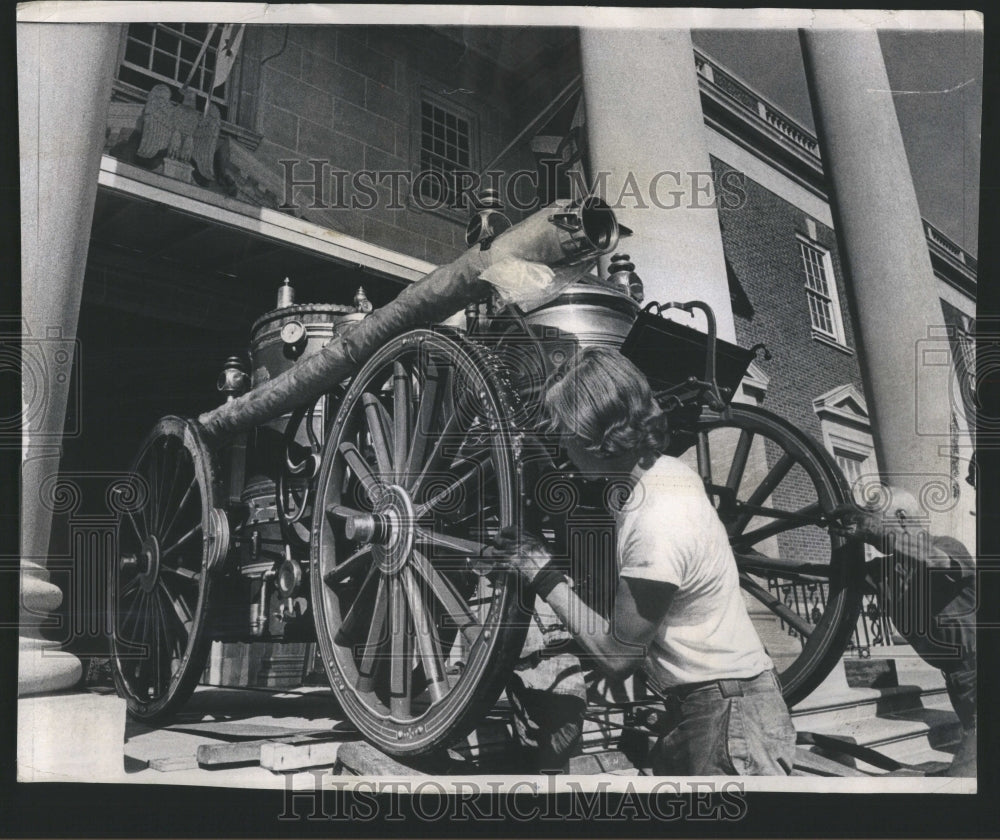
(522, 552)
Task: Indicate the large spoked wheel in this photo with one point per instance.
(419, 471)
(171, 536)
(773, 488)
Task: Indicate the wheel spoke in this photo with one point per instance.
(773, 478)
(147, 642)
(445, 593)
(777, 606)
(180, 571)
(181, 630)
(401, 396)
(355, 615)
(754, 561)
(135, 526)
(179, 607)
(177, 510)
(803, 516)
(428, 646)
(459, 485)
(131, 586)
(161, 488)
(151, 479)
(134, 612)
(457, 545)
(400, 676)
(359, 466)
(427, 414)
(170, 490)
(381, 434)
(145, 509)
(816, 517)
(154, 611)
(350, 567)
(739, 465)
(168, 551)
(376, 637)
(436, 459)
(177, 652)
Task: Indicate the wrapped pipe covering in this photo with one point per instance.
(429, 300)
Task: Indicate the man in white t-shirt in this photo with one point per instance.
(679, 615)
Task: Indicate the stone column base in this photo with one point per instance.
(42, 667)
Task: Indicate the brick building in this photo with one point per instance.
(354, 99)
(182, 261)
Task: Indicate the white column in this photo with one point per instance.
(64, 86)
(644, 122)
(904, 356)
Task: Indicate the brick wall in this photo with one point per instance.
(759, 240)
(347, 94)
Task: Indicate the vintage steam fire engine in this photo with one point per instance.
(349, 488)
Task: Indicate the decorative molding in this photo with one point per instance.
(737, 112)
(755, 383)
(844, 404)
(950, 263)
(822, 338)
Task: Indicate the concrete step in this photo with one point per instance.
(863, 707)
(908, 717)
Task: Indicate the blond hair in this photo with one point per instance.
(602, 399)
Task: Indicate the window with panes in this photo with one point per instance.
(165, 53)
(446, 147)
(821, 292)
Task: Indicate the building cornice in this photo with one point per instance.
(746, 117)
(735, 110)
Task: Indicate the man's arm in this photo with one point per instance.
(618, 646)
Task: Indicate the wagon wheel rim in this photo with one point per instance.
(417, 477)
(774, 491)
(169, 537)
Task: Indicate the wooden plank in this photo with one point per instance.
(359, 758)
(281, 757)
(242, 731)
(249, 752)
(174, 762)
(812, 764)
(606, 761)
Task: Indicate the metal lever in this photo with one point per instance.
(716, 402)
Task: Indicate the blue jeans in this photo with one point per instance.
(728, 728)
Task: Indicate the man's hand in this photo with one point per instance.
(901, 517)
(523, 552)
(853, 521)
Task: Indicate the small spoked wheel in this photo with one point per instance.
(417, 633)
(773, 488)
(171, 536)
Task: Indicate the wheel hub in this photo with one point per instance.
(389, 528)
(149, 563)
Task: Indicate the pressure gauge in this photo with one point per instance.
(293, 334)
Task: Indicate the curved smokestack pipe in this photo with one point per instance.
(562, 234)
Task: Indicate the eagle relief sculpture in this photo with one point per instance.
(179, 129)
